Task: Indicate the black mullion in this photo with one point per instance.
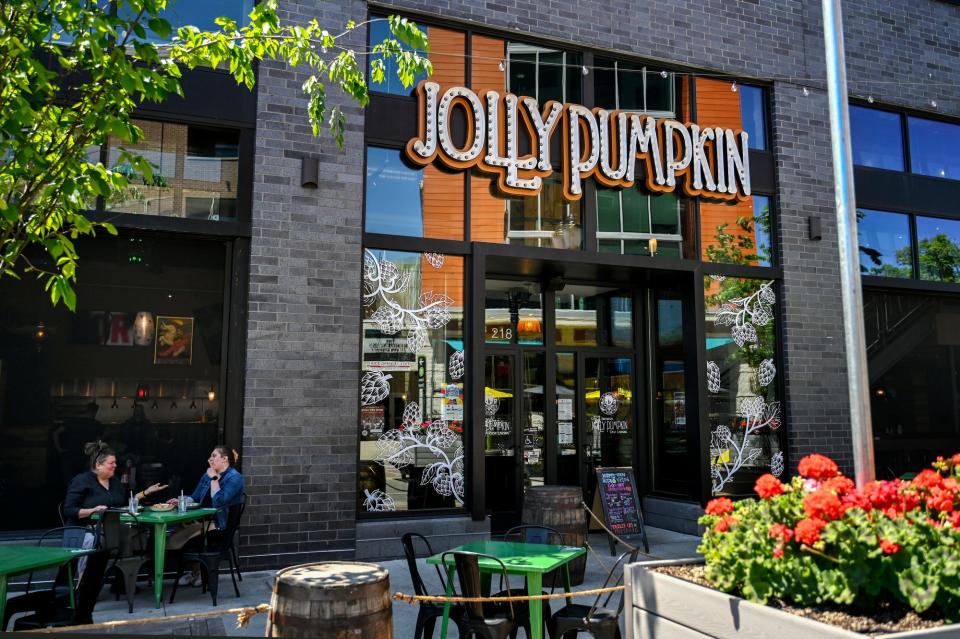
(699, 408)
(235, 342)
(476, 360)
(550, 428)
(519, 364)
(580, 423)
(905, 134)
(588, 203)
(743, 270)
(698, 241)
(641, 391)
(416, 244)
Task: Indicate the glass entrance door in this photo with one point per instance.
(514, 431)
(607, 426)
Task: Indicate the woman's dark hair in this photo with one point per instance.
(231, 454)
(98, 452)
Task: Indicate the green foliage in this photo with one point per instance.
(73, 71)
(891, 541)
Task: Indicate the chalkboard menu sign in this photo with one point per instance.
(617, 489)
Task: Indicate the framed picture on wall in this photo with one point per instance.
(174, 340)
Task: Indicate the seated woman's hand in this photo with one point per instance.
(172, 502)
(156, 488)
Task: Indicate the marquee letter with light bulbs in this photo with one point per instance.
(710, 162)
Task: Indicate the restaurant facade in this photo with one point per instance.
(595, 236)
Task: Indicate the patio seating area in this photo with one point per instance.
(257, 587)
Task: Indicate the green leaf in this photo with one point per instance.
(160, 26)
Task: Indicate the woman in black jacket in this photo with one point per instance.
(99, 488)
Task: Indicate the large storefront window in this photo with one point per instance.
(742, 397)
(412, 389)
(634, 223)
(938, 247)
(877, 138)
(194, 172)
(633, 87)
(913, 358)
(138, 366)
(513, 313)
(379, 31)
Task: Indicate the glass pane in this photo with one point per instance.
(660, 92)
(670, 249)
(512, 313)
(629, 87)
(884, 240)
(134, 366)
(550, 80)
(938, 243)
(532, 416)
(608, 211)
(673, 458)
(545, 220)
(636, 211)
(737, 232)
(379, 31)
(604, 84)
(568, 473)
(393, 202)
(742, 398)
(575, 78)
(752, 115)
(621, 321)
(876, 138)
(914, 378)
(608, 397)
(665, 214)
(577, 315)
(412, 392)
(180, 13)
(523, 74)
(500, 463)
(933, 148)
(610, 246)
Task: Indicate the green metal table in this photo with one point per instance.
(15, 559)
(160, 521)
(530, 560)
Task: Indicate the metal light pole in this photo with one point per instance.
(853, 331)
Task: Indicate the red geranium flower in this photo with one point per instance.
(840, 485)
(818, 467)
(781, 531)
(807, 531)
(778, 552)
(889, 547)
(927, 479)
(725, 523)
(882, 494)
(954, 520)
(856, 499)
(941, 498)
(768, 486)
(823, 504)
(719, 506)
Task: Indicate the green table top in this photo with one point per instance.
(15, 559)
(147, 516)
(519, 558)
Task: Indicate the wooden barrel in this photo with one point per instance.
(331, 600)
(559, 507)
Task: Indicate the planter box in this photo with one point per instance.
(665, 607)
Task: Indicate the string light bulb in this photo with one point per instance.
(502, 66)
(870, 99)
(806, 91)
(933, 103)
(664, 74)
(585, 70)
(733, 87)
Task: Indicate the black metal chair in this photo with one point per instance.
(428, 612)
(534, 534)
(216, 546)
(33, 600)
(128, 547)
(600, 621)
(487, 620)
(59, 613)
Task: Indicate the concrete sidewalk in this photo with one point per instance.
(257, 586)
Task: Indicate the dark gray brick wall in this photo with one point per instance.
(301, 395)
(300, 415)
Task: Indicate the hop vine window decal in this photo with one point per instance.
(713, 377)
(378, 502)
(383, 283)
(766, 372)
(434, 259)
(374, 387)
(401, 447)
(456, 366)
(776, 463)
(744, 314)
(729, 452)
